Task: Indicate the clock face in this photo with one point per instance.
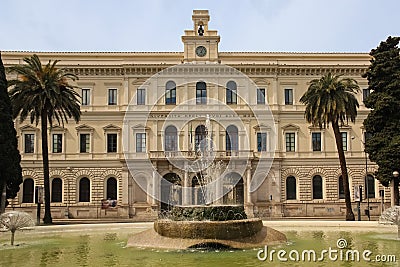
(201, 51)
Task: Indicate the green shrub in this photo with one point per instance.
(207, 213)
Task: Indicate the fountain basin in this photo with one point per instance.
(226, 230)
(238, 234)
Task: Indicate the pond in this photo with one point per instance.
(104, 245)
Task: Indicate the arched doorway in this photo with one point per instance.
(171, 193)
(233, 189)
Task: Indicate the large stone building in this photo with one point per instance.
(134, 123)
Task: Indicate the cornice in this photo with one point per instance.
(300, 70)
(248, 69)
(117, 64)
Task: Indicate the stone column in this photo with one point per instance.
(248, 182)
(125, 100)
(248, 205)
(185, 189)
(156, 186)
(219, 191)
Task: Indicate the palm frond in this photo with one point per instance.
(331, 99)
(38, 88)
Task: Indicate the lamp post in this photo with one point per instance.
(69, 169)
(365, 178)
(366, 182)
(395, 187)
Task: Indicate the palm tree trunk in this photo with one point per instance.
(343, 167)
(45, 153)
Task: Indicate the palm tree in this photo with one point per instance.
(44, 94)
(332, 100)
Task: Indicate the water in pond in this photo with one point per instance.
(107, 248)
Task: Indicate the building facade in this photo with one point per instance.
(140, 108)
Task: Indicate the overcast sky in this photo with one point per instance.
(157, 25)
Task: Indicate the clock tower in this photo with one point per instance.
(200, 43)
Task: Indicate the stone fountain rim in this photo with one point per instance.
(209, 221)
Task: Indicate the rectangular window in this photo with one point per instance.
(260, 96)
(170, 97)
(140, 142)
(288, 96)
(290, 142)
(341, 188)
(370, 187)
(84, 143)
(57, 143)
(316, 141)
(366, 93)
(201, 96)
(261, 142)
(112, 97)
(111, 142)
(141, 96)
(29, 143)
(85, 97)
(231, 97)
(344, 140)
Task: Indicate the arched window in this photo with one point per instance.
(370, 186)
(200, 135)
(232, 138)
(201, 93)
(171, 138)
(170, 93)
(231, 93)
(291, 188)
(84, 190)
(317, 187)
(56, 190)
(27, 191)
(341, 188)
(111, 188)
(171, 195)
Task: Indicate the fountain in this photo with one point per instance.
(211, 224)
(391, 216)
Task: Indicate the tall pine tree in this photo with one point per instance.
(383, 122)
(10, 159)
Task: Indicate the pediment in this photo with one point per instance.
(139, 127)
(345, 127)
(316, 128)
(262, 127)
(111, 127)
(290, 127)
(57, 128)
(28, 128)
(84, 127)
